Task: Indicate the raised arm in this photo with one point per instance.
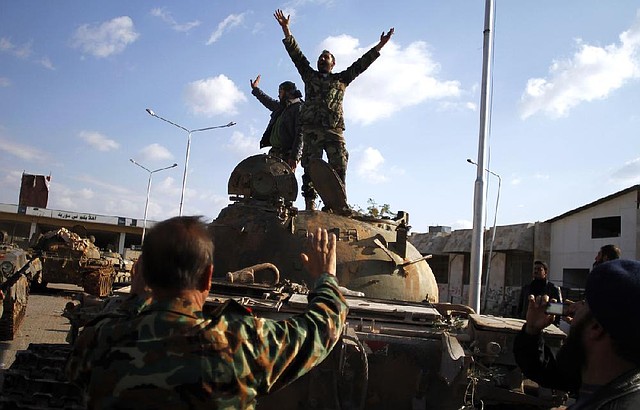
(283, 21)
(270, 103)
(255, 83)
(384, 39)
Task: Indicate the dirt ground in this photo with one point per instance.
(43, 322)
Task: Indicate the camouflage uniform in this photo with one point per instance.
(286, 116)
(321, 117)
(171, 356)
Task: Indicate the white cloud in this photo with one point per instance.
(12, 179)
(121, 207)
(214, 96)
(46, 63)
(229, 22)
(627, 174)
(110, 37)
(4, 82)
(86, 193)
(369, 166)
(462, 224)
(169, 186)
(541, 176)
(22, 51)
(515, 180)
(243, 145)
(166, 16)
(116, 189)
(399, 78)
(21, 151)
(155, 152)
(98, 141)
(592, 73)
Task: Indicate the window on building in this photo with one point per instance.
(608, 227)
(440, 267)
(518, 269)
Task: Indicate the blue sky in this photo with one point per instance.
(77, 76)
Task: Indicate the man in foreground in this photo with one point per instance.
(321, 117)
(600, 358)
(170, 355)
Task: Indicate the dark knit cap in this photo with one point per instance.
(613, 295)
(290, 89)
(288, 86)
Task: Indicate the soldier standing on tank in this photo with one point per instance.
(283, 133)
(321, 117)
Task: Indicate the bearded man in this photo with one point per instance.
(600, 361)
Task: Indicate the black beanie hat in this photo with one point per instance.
(613, 295)
(290, 89)
(288, 86)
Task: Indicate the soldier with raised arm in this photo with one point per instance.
(165, 353)
(321, 117)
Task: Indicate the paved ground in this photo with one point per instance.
(43, 322)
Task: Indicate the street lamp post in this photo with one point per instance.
(186, 160)
(493, 234)
(146, 205)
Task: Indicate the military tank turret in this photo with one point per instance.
(262, 225)
(69, 258)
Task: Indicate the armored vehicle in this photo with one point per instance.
(13, 307)
(121, 266)
(69, 258)
(400, 348)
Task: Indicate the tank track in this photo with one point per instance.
(36, 380)
(14, 313)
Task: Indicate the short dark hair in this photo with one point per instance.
(544, 265)
(176, 252)
(612, 252)
(333, 59)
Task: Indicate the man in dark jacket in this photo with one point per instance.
(600, 359)
(321, 117)
(283, 133)
(540, 285)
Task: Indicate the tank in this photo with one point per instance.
(69, 258)
(261, 225)
(400, 347)
(121, 266)
(16, 295)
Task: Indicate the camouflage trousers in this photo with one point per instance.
(314, 143)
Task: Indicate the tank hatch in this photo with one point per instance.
(263, 177)
(327, 183)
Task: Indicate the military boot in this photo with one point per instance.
(310, 204)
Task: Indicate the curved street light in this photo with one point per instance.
(146, 205)
(493, 234)
(186, 160)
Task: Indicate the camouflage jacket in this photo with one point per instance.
(290, 129)
(324, 92)
(171, 356)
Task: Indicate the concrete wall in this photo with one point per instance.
(572, 246)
